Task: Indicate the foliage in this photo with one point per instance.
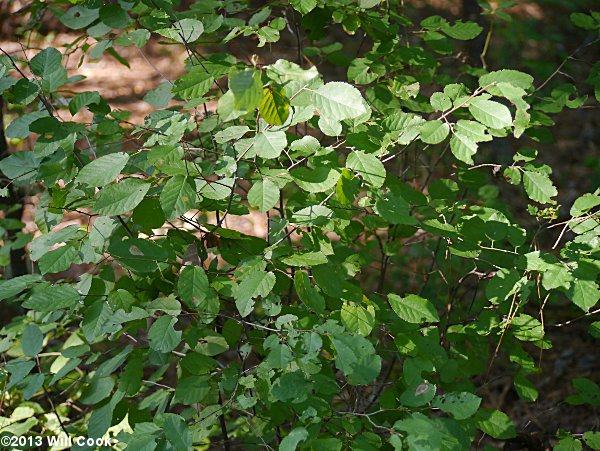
(186, 333)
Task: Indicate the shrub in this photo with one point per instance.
(400, 263)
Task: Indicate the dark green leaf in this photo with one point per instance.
(162, 335)
(120, 198)
(32, 340)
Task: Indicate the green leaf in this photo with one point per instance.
(101, 418)
(527, 328)
(584, 21)
(280, 356)
(588, 392)
(98, 389)
(25, 91)
(462, 30)
(584, 293)
(193, 85)
(290, 387)
(93, 321)
(303, 6)
(83, 99)
(263, 195)
(461, 405)
(35, 382)
(307, 293)
(14, 286)
(434, 132)
(584, 204)
(58, 260)
(525, 389)
(568, 444)
(121, 299)
(413, 309)
(539, 187)
(114, 16)
(120, 198)
(149, 214)
(362, 71)
(347, 187)
(19, 164)
(356, 358)
(234, 132)
(160, 96)
(258, 283)
(291, 441)
(473, 130)
(247, 89)
(177, 196)
(330, 127)
(18, 369)
(177, 432)
(48, 65)
(490, 113)
(192, 390)
(592, 439)
(112, 364)
(432, 434)
(32, 340)
(368, 166)
(184, 31)
(394, 209)
(275, 106)
(48, 298)
(19, 128)
(463, 148)
(337, 101)
(192, 285)
(440, 101)
(317, 180)
(305, 259)
(503, 285)
(269, 144)
(130, 380)
(162, 335)
(496, 424)
(513, 77)
(79, 17)
(138, 37)
(42, 244)
(358, 319)
(217, 190)
(315, 214)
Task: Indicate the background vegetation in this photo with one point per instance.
(345, 224)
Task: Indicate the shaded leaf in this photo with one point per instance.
(120, 198)
(413, 308)
(263, 195)
(162, 335)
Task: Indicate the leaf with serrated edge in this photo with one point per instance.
(120, 198)
(539, 187)
(368, 166)
(490, 113)
(102, 170)
(337, 101)
(434, 132)
(463, 148)
(263, 195)
(413, 308)
(178, 196)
